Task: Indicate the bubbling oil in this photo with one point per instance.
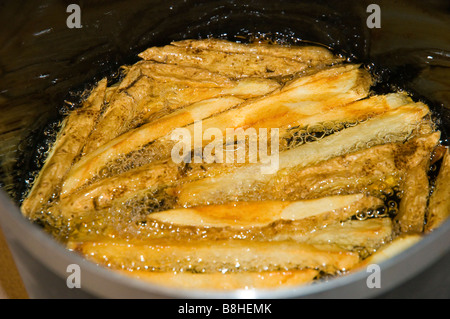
(131, 219)
(134, 211)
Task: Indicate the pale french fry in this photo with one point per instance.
(367, 235)
(397, 123)
(391, 249)
(210, 256)
(439, 205)
(68, 145)
(240, 64)
(226, 281)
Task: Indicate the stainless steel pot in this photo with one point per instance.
(42, 58)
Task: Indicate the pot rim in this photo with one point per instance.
(108, 284)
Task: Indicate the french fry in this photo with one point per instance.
(439, 205)
(263, 220)
(391, 249)
(112, 191)
(324, 91)
(314, 213)
(120, 112)
(397, 123)
(68, 145)
(373, 170)
(104, 192)
(362, 236)
(355, 235)
(301, 54)
(147, 93)
(189, 76)
(210, 256)
(241, 64)
(416, 188)
(101, 193)
(350, 114)
(316, 94)
(89, 166)
(226, 281)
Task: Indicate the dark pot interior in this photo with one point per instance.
(44, 64)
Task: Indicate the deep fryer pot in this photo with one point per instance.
(44, 64)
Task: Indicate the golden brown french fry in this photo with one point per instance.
(298, 53)
(151, 90)
(226, 281)
(324, 91)
(241, 64)
(210, 256)
(397, 124)
(180, 95)
(416, 188)
(364, 236)
(120, 112)
(189, 76)
(240, 215)
(336, 118)
(70, 140)
(339, 175)
(439, 206)
(100, 194)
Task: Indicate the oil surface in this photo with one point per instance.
(392, 75)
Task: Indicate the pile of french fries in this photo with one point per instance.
(111, 192)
